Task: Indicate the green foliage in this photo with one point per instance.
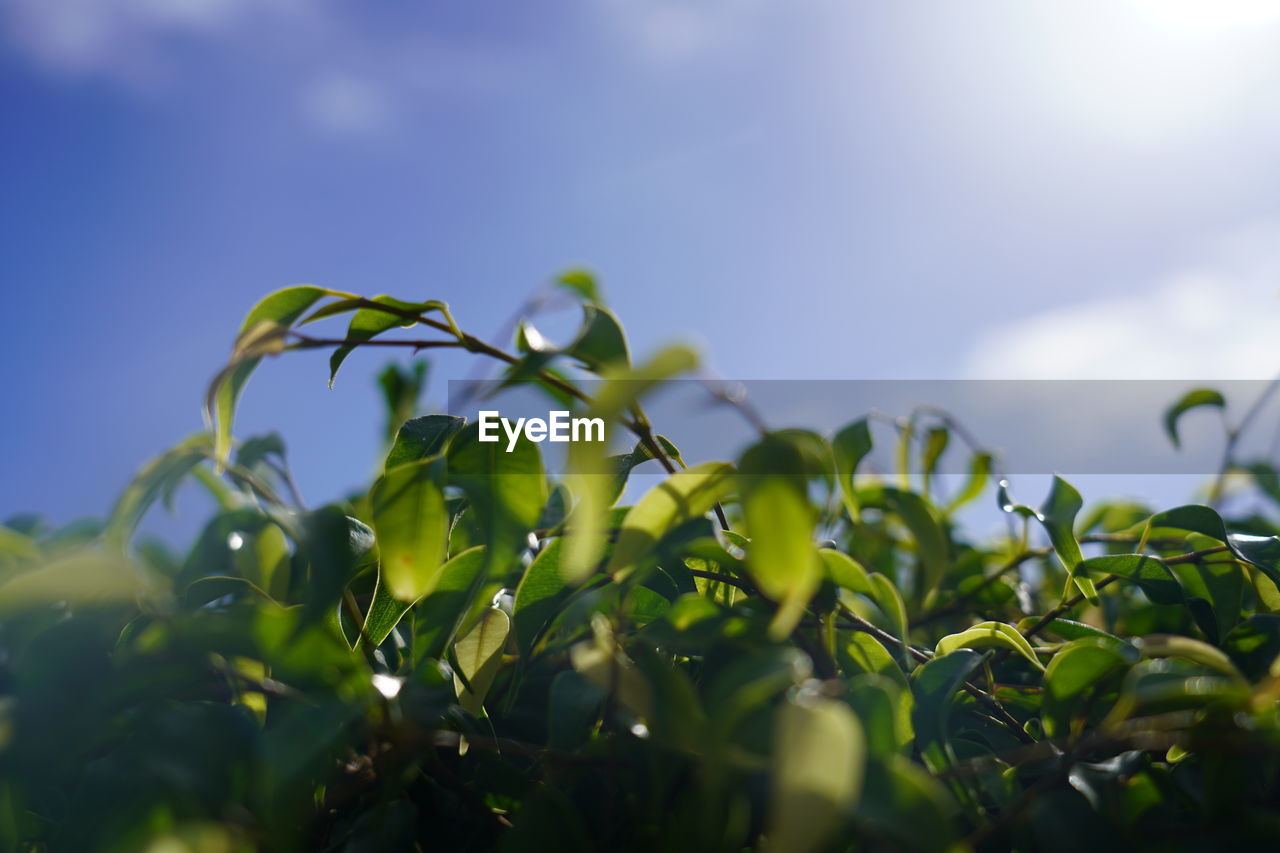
(768, 651)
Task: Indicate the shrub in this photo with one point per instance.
(475, 655)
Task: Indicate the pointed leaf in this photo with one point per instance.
(1058, 515)
(479, 655)
(986, 635)
(782, 558)
(369, 322)
(931, 540)
(849, 446)
(1194, 399)
(683, 495)
(935, 686)
(412, 526)
(281, 308)
(421, 437)
(1074, 673)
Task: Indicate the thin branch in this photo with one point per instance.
(989, 702)
(1046, 619)
(1233, 439)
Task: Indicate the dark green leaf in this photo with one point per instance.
(935, 686)
(849, 446)
(601, 342)
(1191, 400)
(421, 437)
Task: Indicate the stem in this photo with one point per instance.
(1191, 557)
(891, 642)
(1233, 438)
(959, 603)
(724, 579)
(638, 425)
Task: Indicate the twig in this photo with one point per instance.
(1046, 619)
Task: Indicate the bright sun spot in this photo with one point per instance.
(1160, 72)
(387, 685)
(1202, 16)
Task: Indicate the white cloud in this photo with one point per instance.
(1219, 320)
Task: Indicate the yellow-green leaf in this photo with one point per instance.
(479, 655)
(986, 635)
(411, 525)
(819, 760)
(683, 495)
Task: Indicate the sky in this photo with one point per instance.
(805, 189)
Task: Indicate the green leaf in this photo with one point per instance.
(255, 451)
(1194, 399)
(438, 616)
(1058, 515)
(782, 558)
(935, 685)
(421, 437)
(590, 476)
(80, 580)
(280, 309)
(573, 709)
(902, 802)
(507, 491)
(884, 708)
(601, 342)
(819, 759)
(864, 654)
(935, 444)
(401, 387)
(1163, 686)
(986, 635)
(931, 540)
(1075, 672)
(1260, 551)
(625, 463)
(479, 655)
(849, 446)
(979, 473)
(846, 572)
(385, 612)
(604, 663)
(1254, 644)
(814, 450)
(542, 591)
(1173, 645)
(412, 527)
(1214, 590)
(1007, 504)
(683, 495)
(1193, 517)
(1069, 630)
(369, 322)
(16, 546)
(1150, 574)
(581, 283)
(889, 600)
(334, 546)
(158, 476)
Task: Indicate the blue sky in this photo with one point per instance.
(808, 189)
